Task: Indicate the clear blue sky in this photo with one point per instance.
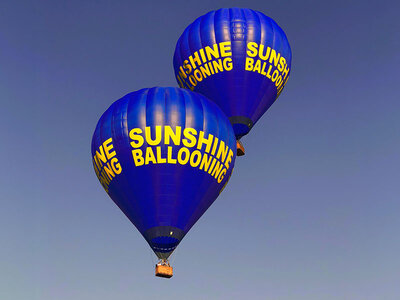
(312, 211)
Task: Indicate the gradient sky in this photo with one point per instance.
(311, 212)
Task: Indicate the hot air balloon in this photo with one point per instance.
(237, 57)
(163, 155)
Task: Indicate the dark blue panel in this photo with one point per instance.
(162, 195)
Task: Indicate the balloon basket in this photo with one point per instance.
(240, 148)
(163, 269)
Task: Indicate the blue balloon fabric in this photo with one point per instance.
(239, 58)
(163, 155)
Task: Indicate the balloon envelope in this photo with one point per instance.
(163, 155)
(236, 57)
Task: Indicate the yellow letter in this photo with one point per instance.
(261, 54)
(182, 72)
(189, 134)
(109, 172)
(181, 160)
(217, 170)
(218, 65)
(195, 59)
(170, 134)
(194, 163)
(170, 160)
(282, 63)
(187, 66)
(286, 72)
(249, 64)
(222, 151)
(225, 48)
(150, 156)
(252, 49)
(207, 141)
(116, 166)
(274, 57)
(205, 71)
(137, 139)
(257, 66)
(101, 155)
(228, 65)
(138, 157)
(157, 140)
(214, 51)
(212, 165)
(229, 159)
(107, 147)
(221, 175)
(160, 160)
(205, 163)
(203, 57)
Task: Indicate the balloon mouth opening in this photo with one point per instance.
(163, 246)
(164, 239)
(241, 125)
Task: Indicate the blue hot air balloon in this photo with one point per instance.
(239, 58)
(163, 155)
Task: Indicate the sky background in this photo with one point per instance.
(311, 212)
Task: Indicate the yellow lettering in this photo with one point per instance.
(207, 141)
(138, 157)
(274, 57)
(275, 75)
(221, 175)
(107, 147)
(181, 160)
(217, 170)
(205, 71)
(222, 151)
(203, 57)
(101, 155)
(285, 71)
(160, 160)
(116, 166)
(257, 66)
(189, 134)
(170, 134)
(205, 163)
(157, 139)
(249, 64)
(252, 49)
(217, 64)
(138, 140)
(268, 72)
(150, 157)
(282, 63)
(195, 60)
(182, 73)
(187, 67)
(194, 163)
(261, 54)
(225, 48)
(229, 159)
(170, 160)
(212, 165)
(108, 171)
(228, 65)
(214, 51)
(198, 75)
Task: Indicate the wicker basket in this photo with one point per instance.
(163, 271)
